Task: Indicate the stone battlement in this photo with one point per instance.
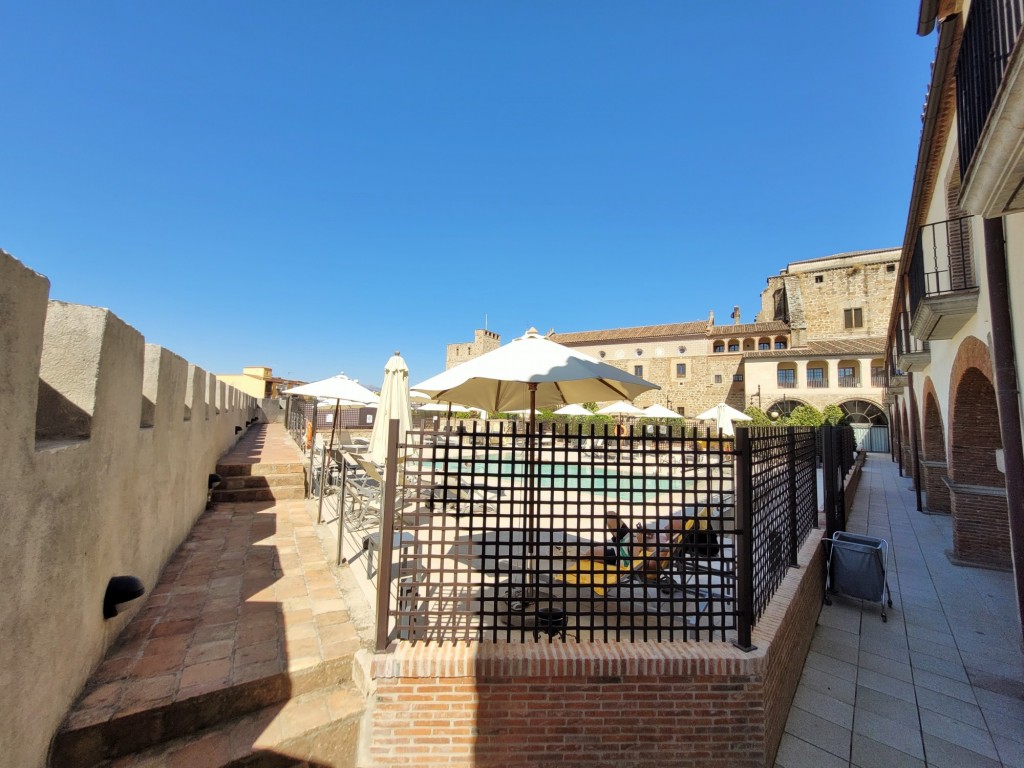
(107, 447)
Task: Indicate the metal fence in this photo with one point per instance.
(590, 535)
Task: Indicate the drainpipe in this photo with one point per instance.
(915, 461)
(1007, 397)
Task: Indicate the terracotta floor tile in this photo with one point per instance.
(167, 644)
(209, 671)
(156, 666)
(201, 652)
(258, 670)
(328, 618)
(210, 751)
(165, 628)
(258, 652)
(298, 718)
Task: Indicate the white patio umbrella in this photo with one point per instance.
(340, 389)
(434, 407)
(659, 411)
(723, 415)
(620, 408)
(393, 404)
(574, 409)
(533, 372)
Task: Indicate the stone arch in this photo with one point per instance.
(933, 451)
(905, 446)
(981, 530)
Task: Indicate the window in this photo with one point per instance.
(734, 346)
(719, 347)
(737, 377)
(890, 267)
(848, 376)
(844, 371)
(819, 278)
(780, 344)
(638, 370)
(763, 345)
(853, 318)
(718, 378)
(816, 377)
(786, 378)
(680, 369)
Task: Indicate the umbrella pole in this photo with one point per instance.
(531, 510)
(323, 463)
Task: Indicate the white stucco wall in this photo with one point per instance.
(87, 491)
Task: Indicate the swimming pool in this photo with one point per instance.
(581, 477)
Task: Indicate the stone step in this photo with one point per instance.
(243, 482)
(277, 493)
(319, 728)
(235, 470)
(94, 741)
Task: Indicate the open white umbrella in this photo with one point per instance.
(533, 372)
(393, 404)
(723, 415)
(433, 407)
(620, 408)
(574, 409)
(659, 411)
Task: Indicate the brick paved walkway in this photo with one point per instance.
(246, 614)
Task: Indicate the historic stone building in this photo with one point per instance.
(483, 341)
(819, 339)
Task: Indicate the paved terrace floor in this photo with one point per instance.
(941, 684)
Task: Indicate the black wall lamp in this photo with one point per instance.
(121, 589)
(237, 430)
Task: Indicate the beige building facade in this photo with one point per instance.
(258, 381)
(818, 339)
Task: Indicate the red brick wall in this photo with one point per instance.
(596, 704)
(936, 491)
(981, 528)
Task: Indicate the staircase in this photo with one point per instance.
(259, 482)
(243, 653)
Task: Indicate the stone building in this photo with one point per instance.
(819, 339)
(483, 341)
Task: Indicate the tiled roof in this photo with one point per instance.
(772, 326)
(830, 348)
(642, 332)
(893, 252)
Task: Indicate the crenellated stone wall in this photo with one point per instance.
(106, 450)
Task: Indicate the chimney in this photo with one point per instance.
(711, 317)
(735, 315)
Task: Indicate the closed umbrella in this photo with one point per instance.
(393, 404)
(724, 416)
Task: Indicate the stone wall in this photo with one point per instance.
(850, 283)
(108, 442)
(461, 352)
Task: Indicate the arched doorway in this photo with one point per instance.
(870, 424)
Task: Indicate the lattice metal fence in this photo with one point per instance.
(502, 536)
(584, 536)
(784, 504)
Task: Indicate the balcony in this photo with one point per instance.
(786, 384)
(849, 381)
(912, 354)
(817, 383)
(943, 286)
(990, 102)
(879, 380)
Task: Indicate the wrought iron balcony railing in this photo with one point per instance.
(943, 260)
(817, 383)
(989, 37)
(849, 381)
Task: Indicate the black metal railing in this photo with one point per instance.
(943, 260)
(880, 379)
(786, 383)
(783, 503)
(838, 448)
(990, 35)
(849, 381)
(817, 383)
(906, 342)
(591, 535)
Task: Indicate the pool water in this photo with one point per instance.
(582, 477)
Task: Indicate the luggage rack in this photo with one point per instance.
(857, 566)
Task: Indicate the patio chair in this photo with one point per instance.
(363, 493)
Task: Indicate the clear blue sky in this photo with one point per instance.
(311, 186)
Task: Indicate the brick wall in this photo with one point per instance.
(595, 704)
(933, 479)
(981, 526)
